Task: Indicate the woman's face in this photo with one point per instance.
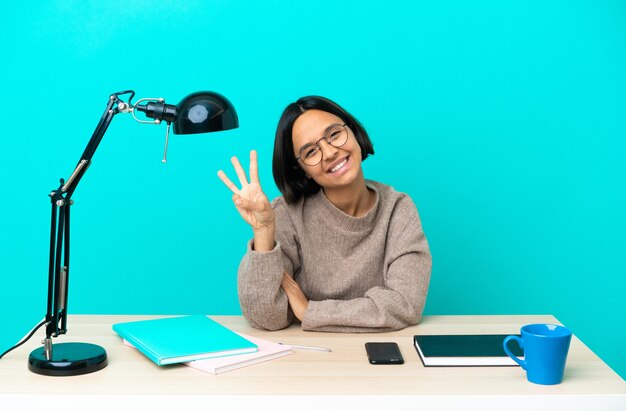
(340, 166)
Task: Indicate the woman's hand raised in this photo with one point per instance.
(250, 200)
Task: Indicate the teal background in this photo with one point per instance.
(505, 121)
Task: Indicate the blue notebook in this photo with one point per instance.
(181, 339)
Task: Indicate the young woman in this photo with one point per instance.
(338, 252)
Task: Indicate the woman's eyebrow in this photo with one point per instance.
(329, 127)
(305, 146)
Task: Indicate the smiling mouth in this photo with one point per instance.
(338, 166)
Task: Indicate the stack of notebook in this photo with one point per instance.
(197, 341)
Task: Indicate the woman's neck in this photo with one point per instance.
(355, 200)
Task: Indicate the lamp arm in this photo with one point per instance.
(59, 263)
(114, 106)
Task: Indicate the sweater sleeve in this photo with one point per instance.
(400, 301)
(263, 302)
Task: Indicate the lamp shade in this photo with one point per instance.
(204, 112)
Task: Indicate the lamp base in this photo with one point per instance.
(68, 359)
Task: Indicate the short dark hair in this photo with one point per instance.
(288, 175)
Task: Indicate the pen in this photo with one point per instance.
(307, 347)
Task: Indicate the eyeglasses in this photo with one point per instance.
(336, 135)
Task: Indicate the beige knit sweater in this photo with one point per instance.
(360, 274)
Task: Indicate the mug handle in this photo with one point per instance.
(522, 363)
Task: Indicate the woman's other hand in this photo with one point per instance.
(297, 300)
